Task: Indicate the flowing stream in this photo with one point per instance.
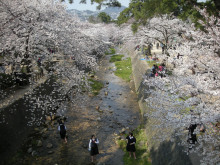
(118, 111)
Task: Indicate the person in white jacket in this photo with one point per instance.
(93, 147)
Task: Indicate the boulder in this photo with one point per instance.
(29, 150)
(34, 153)
(123, 131)
(50, 152)
(92, 75)
(116, 133)
(36, 129)
(44, 130)
(101, 111)
(39, 143)
(48, 118)
(99, 119)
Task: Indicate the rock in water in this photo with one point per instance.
(101, 111)
(48, 118)
(44, 130)
(50, 152)
(39, 143)
(30, 150)
(34, 153)
(123, 131)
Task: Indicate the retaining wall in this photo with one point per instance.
(162, 153)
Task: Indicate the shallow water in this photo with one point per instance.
(118, 109)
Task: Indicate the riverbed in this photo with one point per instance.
(113, 111)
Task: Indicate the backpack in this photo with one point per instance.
(62, 129)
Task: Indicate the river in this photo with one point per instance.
(118, 110)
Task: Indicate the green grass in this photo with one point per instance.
(96, 86)
(151, 63)
(115, 58)
(110, 51)
(124, 69)
(143, 156)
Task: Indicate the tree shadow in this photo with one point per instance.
(171, 153)
(142, 94)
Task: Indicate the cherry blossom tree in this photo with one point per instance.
(165, 29)
(43, 28)
(191, 95)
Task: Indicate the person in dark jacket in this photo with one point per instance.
(62, 130)
(93, 147)
(131, 140)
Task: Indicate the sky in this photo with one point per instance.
(88, 6)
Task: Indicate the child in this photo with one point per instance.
(62, 130)
(93, 147)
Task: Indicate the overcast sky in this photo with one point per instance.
(88, 6)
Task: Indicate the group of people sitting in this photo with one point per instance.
(158, 70)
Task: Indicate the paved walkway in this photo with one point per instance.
(16, 95)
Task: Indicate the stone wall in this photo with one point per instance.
(162, 153)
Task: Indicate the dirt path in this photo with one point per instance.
(118, 109)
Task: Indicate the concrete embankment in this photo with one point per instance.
(165, 152)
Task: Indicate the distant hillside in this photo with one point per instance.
(84, 15)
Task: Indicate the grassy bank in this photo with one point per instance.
(124, 69)
(143, 156)
(110, 51)
(151, 63)
(96, 86)
(115, 58)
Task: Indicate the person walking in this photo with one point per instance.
(62, 130)
(131, 140)
(93, 147)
